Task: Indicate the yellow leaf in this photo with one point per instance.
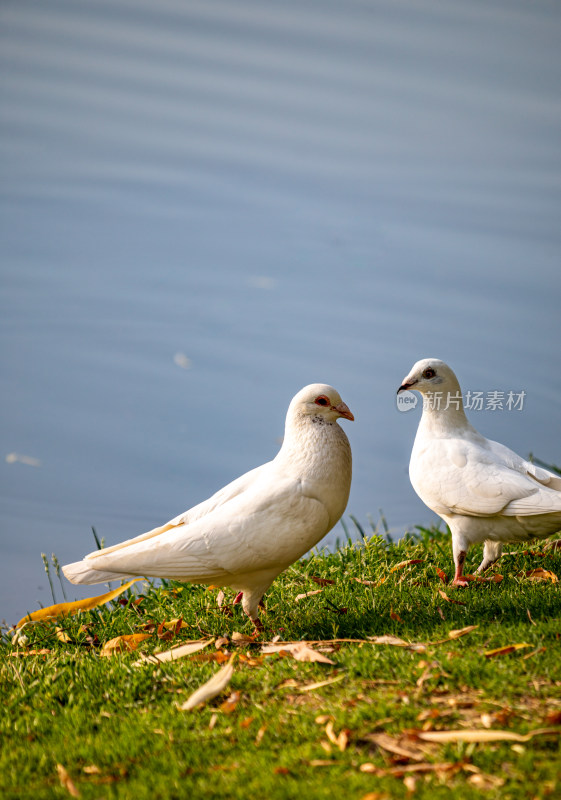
(541, 575)
(483, 735)
(175, 623)
(173, 654)
(503, 651)
(407, 563)
(124, 643)
(311, 687)
(211, 688)
(307, 594)
(461, 632)
(66, 781)
(68, 609)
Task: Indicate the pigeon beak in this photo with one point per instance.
(406, 385)
(344, 411)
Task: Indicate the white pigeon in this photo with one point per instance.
(255, 527)
(481, 489)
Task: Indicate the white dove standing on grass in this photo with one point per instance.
(481, 489)
(255, 527)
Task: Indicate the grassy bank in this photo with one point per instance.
(115, 730)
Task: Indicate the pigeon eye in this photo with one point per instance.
(322, 400)
(429, 373)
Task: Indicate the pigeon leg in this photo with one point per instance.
(459, 549)
(238, 598)
(492, 551)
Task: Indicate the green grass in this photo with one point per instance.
(72, 707)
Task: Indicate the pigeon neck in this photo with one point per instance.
(444, 412)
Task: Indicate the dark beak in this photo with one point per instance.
(405, 386)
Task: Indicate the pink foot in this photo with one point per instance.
(238, 598)
(460, 582)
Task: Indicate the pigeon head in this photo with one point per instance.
(319, 401)
(430, 375)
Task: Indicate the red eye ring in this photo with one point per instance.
(322, 400)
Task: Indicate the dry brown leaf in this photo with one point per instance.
(484, 735)
(260, 735)
(126, 643)
(175, 624)
(91, 769)
(341, 739)
(322, 762)
(449, 599)
(442, 575)
(229, 705)
(410, 783)
(540, 575)
(303, 652)
(241, 639)
(22, 653)
(461, 631)
(395, 616)
(306, 594)
(321, 581)
(176, 652)
(365, 583)
(486, 782)
(311, 687)
(211, 688)
(222, 641)
(68, 609)
(503, 651)
(407, 563)
(392, 745)
(66, 781)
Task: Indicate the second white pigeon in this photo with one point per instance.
(481, 489)
(255, 527)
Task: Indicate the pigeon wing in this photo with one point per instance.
(266, 527)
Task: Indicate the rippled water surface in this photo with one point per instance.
(207, 205)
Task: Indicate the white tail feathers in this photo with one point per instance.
(83, 572)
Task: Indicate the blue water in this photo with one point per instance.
(207, 205)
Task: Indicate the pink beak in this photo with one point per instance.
(344, 411)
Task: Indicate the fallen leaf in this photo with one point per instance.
(322, 762)
(395, 617)
(442, 575)
(229, 705)
(241, 639)
(126, 643)
(410, 783)
(503, 651)
(540, 575)
(311, 687)
(21, 653)
(222, 641)
(449, 599)
(407, 563)
(461, 632)
(484, 735)
(365, 583)
(341, 740)
(91, 769)
(211, 688)
(281, 771)
(392, 745)
(61, 635)
(307, 594)
(66, 781)
(68, 609)
(303, 652)
(175, 653)
(260, 735)
(486, 782)
(321, 581)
